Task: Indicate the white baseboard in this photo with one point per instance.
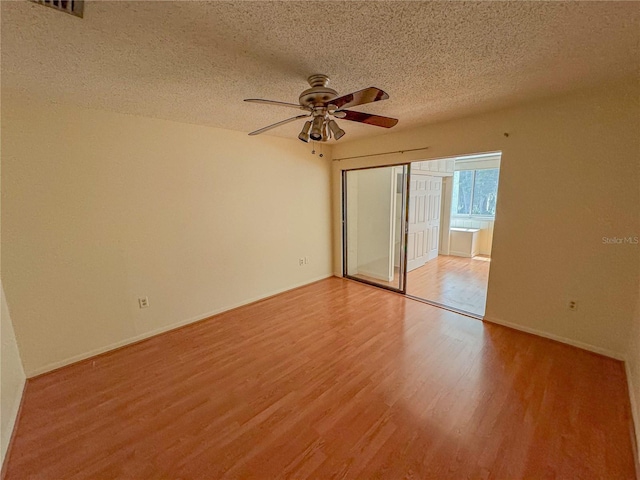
(152, 333)
(460, 254)
(574, 343)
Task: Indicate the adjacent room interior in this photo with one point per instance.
(452, 212)
(400, 244)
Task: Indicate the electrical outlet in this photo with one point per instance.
(301, 261)
(143, 302)
(573, 304)
(306, 260)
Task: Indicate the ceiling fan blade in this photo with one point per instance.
(367, 95)
(274, 102)
(377, 120)
(264, 129)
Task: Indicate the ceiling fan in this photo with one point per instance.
(321, 103)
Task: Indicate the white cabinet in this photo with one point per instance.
(463, 242)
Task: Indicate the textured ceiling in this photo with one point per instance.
(196, 61)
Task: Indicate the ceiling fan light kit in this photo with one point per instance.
(304, 134)
(322, 103)
(317, 128)
(336, 131)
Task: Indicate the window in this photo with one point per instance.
(475, 192)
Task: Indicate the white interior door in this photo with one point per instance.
(434, 198)
(418, 222)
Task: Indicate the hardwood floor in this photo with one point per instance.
(456, 282)
(333, 380)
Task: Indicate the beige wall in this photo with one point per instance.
(100, 209)
(569, 177)
(12, 378)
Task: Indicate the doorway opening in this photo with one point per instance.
(451, 217)
(424, 229)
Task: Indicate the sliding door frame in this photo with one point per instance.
(404, 214)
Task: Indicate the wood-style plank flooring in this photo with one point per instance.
(333, 380)
(456, 282)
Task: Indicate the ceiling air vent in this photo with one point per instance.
(74, 7)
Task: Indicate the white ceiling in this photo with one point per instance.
(195, 62)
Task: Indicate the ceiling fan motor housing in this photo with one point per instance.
(319, 93)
